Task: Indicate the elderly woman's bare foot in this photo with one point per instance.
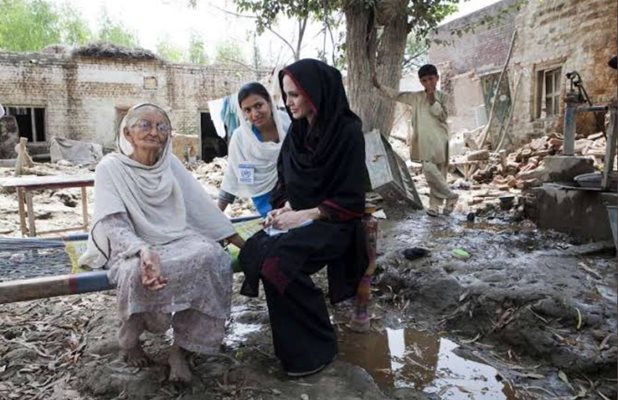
(136, 357)
(179, 367)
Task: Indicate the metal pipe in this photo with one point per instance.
(568, 147)
(51, 286)
(581, 109)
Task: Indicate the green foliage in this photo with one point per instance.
(73, 29)
(114, 32)
(196, 50)
(416, 52)
(266, 11)
(487, 21)
(31, 25)
(28, 25)
(169, 51)
(229, 52)
(423, 16)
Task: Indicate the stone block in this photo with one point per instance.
(566, 168)
(576, 212)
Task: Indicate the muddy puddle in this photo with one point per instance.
(398, 358)
(408, 358)
(240, 327)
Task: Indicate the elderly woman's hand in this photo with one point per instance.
(150, 269)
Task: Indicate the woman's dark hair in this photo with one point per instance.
(253, 88)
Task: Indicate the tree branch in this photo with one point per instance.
(235, 14)
(283, 40)
(302, 25)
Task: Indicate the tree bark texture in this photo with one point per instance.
(365, 49)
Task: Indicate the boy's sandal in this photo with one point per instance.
(432, 212)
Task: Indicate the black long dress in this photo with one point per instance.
(319, 166)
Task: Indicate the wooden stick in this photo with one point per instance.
(504, 128)
(22, 211)
(30, 208)
(493, 103)
(85, 207)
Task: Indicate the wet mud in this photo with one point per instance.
(495, 310)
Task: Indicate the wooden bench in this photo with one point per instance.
(26, 185)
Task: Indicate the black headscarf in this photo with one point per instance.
(322, 165)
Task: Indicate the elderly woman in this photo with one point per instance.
(156, 229)
(318, 204)
(254, 149)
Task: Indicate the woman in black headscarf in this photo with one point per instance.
(318, 202)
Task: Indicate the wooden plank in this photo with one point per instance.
(73, 228)
(30, 210)
(610, 149)
(49, 182)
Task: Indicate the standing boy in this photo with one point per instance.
(429, 139)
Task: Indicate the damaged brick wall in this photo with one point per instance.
(559, 36)
(469, 48)
(478, 41)
(570, 34)
(84, 97)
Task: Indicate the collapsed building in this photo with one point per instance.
(511, 70)
(551, 39)
(82, 94)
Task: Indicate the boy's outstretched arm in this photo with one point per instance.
(393, 94)
(384, 90)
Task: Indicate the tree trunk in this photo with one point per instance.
(364, 50)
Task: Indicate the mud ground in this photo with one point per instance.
(529, 315)
(497, 310)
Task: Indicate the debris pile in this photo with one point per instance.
(210, 176)
(521, 168)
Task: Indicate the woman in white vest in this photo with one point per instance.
(254, 149)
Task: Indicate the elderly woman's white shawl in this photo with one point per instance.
(163, 201)
(245, 148)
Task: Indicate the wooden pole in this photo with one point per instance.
(30, 209)
(85, 207)
(62, 285)
(493, 103)
(21, 199)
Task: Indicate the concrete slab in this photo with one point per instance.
(577, 212)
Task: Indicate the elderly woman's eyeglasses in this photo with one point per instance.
(145, 126)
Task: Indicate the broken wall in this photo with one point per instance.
(85, 97)
(553, 38)
(476, 42)
(567, 35)
(472, 50)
